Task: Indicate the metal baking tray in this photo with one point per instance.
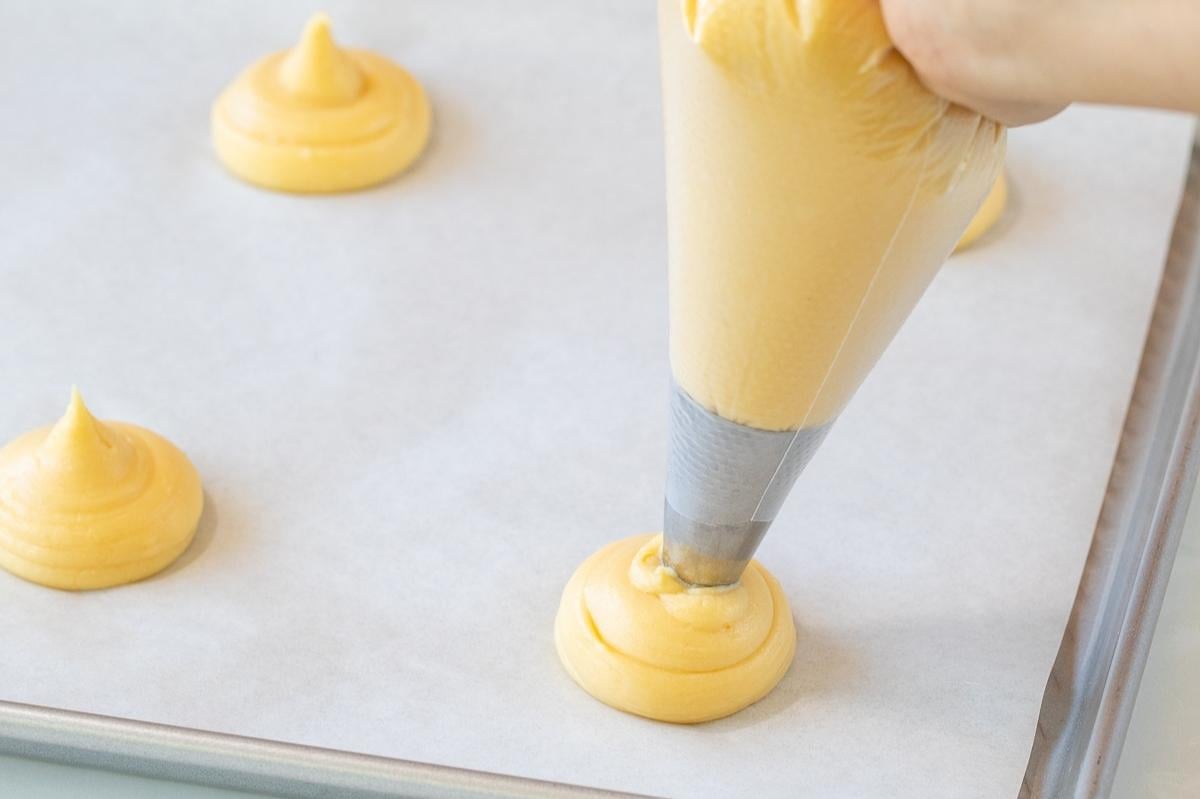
(552, 182)
(1094, 682)
(1087, 703)
(248, 764)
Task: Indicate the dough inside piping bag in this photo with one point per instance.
(814, 188)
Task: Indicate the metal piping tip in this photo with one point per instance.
(725, 484)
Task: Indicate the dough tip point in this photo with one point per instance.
(318, 31)
(317, 69)
(76, 434)
(77, 410)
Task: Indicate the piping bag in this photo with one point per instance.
(814, 188)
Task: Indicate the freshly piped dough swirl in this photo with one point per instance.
(637, 638)
(89, 504)
(320, 119)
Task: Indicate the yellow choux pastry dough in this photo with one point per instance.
(89, 504)
(814, 188)
(988, 214)
(637, 638)
(320, 119)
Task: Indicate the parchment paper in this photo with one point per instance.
(417, 409)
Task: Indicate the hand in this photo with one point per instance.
(1021, 61)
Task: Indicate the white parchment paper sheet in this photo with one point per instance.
(417, 409)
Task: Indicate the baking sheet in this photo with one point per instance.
(1159, 758)
(416, 409)
(1092, 688)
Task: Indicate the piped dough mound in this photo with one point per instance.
(317, 118)
(636, 637)
(89, 504)
(988, 214)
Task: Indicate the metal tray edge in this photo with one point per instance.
(1089, 697)
(249, 764)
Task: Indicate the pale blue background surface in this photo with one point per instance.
(33, 778)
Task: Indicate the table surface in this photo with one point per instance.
(34, 779)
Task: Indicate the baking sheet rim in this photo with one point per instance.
(1089, 697)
